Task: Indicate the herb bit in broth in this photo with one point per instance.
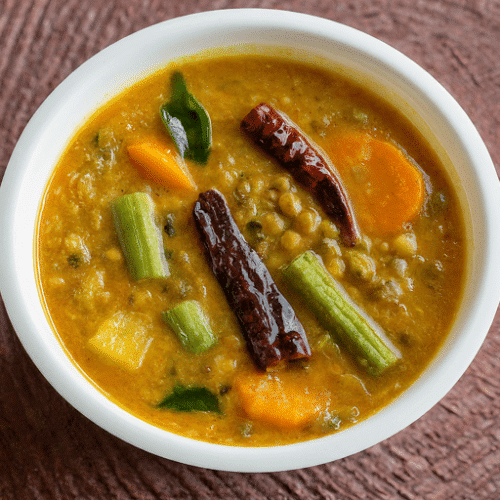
(250, 274)
(187, 122)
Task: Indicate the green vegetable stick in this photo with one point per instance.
(339, 314)
(190, 324)
(139, 237)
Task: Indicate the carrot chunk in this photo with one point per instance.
(278, 400)
(386, 188)
(156, 162)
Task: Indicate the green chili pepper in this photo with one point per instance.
(187, 122)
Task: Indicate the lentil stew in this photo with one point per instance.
(127, 331)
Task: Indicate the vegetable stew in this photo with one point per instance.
(250, 251)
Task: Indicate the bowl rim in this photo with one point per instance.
(318, 35)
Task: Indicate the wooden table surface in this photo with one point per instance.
(50, 451)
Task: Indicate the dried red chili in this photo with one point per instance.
(269, 325)
(276, 134)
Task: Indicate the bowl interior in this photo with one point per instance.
(389, 74)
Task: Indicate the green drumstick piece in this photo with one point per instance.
(191, 326)
(139, 237)
(338, 313)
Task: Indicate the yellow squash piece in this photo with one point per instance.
(124, 339)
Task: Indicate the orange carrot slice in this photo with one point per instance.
(156, 162)
(386, 188)
(278, 401)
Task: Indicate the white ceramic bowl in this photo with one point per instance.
(387, 72)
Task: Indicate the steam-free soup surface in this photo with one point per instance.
(405, 274)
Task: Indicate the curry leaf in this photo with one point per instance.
(187, 122)
(191, 399)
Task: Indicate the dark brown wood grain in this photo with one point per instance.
(49, 451)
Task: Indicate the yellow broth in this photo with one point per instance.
(410, 282)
